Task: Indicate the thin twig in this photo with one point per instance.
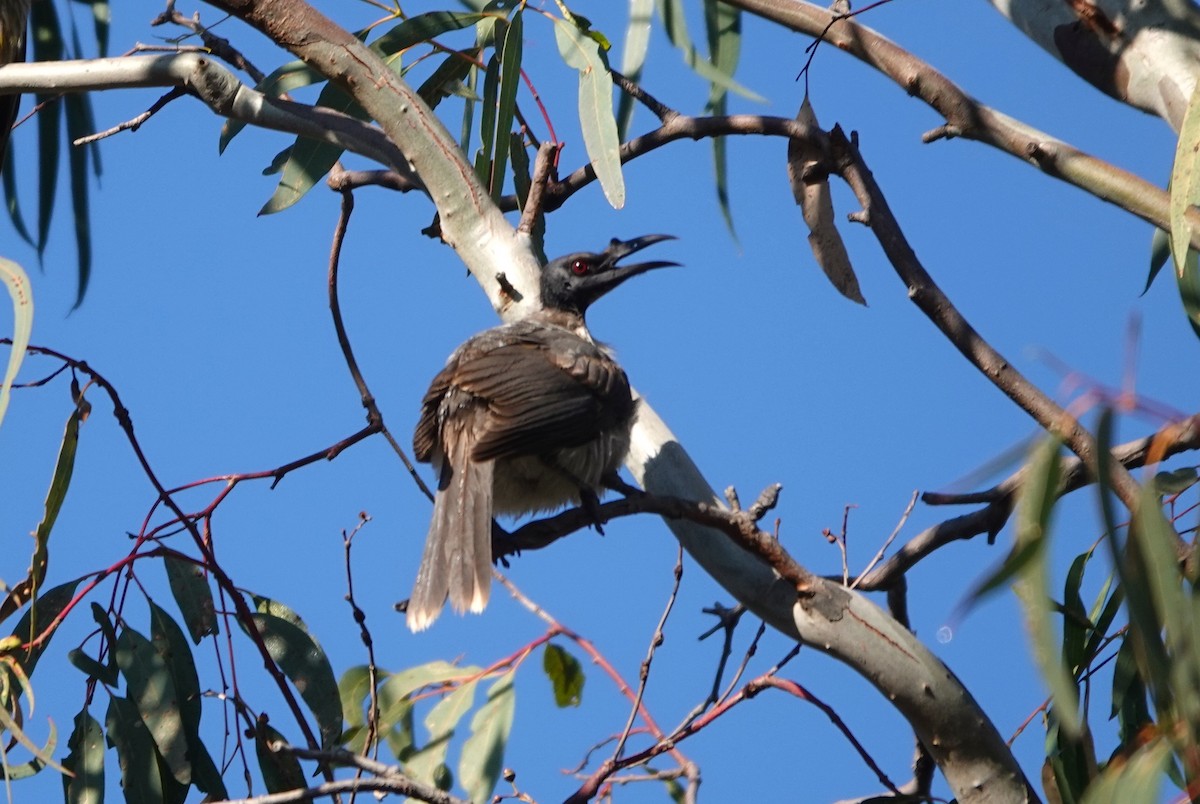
(655, 642)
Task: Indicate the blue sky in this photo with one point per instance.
(213, 325)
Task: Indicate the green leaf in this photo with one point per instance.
(21, 293)
(60, 481)
(429, 763)
(35, 621)
(1155, 541)
(192, 594)
(171, 644)
(265, 605)
(487, 120)
(672, 12)
(91, 667)
(1145, 627)
(723, 26)
(1076, 625)
(151, 688)
(309, 160)
(307, 667)
(423, 28)
(143, 779)
(633, 59)
(1175, 482)
(565, 674)
(1038, 495)
(42, 755)
(354, 688)
(289, 77)
(482, 757)
(1129, 705)
(448, 77)
(596, 119)
(86, 761)
(1185, 181)
(280, 770)
(1135, 781)
(1188, 281)
(77, 158)
(8, 173)
(1160, 252)
(47, 46)
(1185, 192)
(509, 57)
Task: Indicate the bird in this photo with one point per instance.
(14, 19)
(524, 418)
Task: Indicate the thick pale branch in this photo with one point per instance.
(1141, 52)
(214, 85)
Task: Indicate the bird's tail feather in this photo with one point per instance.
(457, 562)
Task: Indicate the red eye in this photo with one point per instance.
(580, 267)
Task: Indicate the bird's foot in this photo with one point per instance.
(614, 482)
(501, 545)
(590, 503)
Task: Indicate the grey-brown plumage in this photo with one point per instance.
(525, 417)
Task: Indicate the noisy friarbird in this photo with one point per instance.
(526, 417)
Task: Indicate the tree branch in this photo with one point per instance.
(968, 118)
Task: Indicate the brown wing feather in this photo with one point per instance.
(544, 388)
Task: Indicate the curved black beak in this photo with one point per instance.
(618, 249)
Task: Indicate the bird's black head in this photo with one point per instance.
(573, 282)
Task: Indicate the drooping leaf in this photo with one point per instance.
(151, 688)
(1185, 193)
(85, 761)
(723, 26)
(447, 79)
(77, 114)
(482, 757)
(1156, 542)
(194, 597)
(1145, 629)
(171, 645)
(47, 46)
(596, 118)
(565, 674)
(509, 58)
(88, 665)
(675, 26)
(1129, 704)
(21, 292)
(1185, 181)
(64, 467)
(1032, 584)
(633, 59)
(43, 755)
(487, 120)
(280, 770)
(35, 621)
(1160, 252)
(815, 199)
(142, 777)
(307, 667)
(12, 201)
